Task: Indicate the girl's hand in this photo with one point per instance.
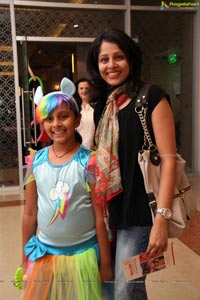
(106, 272)
(24, 266)
(158, 237)
(24, 263)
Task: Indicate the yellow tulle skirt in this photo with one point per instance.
(61, 277)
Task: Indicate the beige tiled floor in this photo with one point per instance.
(10, 249)
(179, 282)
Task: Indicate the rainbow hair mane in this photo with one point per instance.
(52, 101)
(46, 104)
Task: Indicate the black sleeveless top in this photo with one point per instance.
(130, 208)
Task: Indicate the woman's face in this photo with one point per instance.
(113, 64)
(83, 90)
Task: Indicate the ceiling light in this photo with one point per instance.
(56, 86)
(72, 58)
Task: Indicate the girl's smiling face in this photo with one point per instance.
(60, 125)
(113, 64)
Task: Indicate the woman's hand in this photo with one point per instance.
(158, 237)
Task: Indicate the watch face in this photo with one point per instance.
(167, 213)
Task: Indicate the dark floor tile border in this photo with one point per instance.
(12, 203)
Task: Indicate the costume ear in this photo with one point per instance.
(38, 95)
(67, 87)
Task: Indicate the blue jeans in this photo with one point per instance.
(108, 291)
(130, 241)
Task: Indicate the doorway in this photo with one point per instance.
(40, 64)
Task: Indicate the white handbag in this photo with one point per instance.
(183, 207)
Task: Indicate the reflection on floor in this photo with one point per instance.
(179, 282)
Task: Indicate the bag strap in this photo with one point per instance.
(141, 106)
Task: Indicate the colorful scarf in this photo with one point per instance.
(108, 183)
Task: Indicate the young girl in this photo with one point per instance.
(64, 237)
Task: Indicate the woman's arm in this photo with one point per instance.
(29, 221)
(164, 132)
(102, 238)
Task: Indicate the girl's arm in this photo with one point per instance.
(164, 131)
(102, 238)
(29, 221)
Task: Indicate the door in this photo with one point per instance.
(40, 64)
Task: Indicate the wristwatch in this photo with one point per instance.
(165, 212)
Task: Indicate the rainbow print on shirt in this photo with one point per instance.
(60, 194)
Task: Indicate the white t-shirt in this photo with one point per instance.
(87, 127)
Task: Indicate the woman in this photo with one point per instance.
(86, 127)
(114, 63)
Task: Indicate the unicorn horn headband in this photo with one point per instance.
(67, 88)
